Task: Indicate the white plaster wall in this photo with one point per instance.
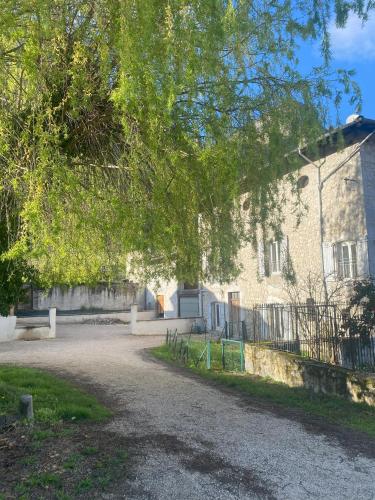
(7, 328)
(169, 290)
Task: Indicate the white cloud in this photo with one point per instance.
(354, 42)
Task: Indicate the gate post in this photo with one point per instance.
(208, 363)
(133, 318)
(242, 357)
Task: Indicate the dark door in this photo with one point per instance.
(234, 314)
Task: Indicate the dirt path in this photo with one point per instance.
(191, 440)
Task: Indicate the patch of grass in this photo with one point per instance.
(42, 434)
(72, 461)
(29, 460)
(357, 416)
(54, 399)
(89, 450)
(84, 485)
(43, 480)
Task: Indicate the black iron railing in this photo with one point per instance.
(316, 331)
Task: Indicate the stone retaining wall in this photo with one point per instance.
(296, 371)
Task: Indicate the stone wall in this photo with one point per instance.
(368, 173)
(343, 220)
(117, 296)
(295, 371)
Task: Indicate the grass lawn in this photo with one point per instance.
(53, 398)
(335, 410)
(65, 452)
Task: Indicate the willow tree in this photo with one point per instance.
(131, 127)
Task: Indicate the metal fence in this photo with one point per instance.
(315, 331)
(209, 353)
(236, 330)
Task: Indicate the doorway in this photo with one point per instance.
(160, 306)
(234, 318)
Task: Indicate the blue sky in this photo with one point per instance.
(352, 48)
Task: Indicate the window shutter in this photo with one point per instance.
(267, 258)
(261, 259)
(329, 262)
(222, 314)
(362, 258)
(284, 249)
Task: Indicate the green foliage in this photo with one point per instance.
(14, 272)
(361, 318)
(53, 398)
(129, 128)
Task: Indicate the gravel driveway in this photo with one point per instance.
(192, 440)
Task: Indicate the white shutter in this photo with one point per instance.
(362, 258)
(261, 265)
(329, 261)
(222, 315)
(284, 254)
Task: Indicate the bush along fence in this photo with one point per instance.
(209, 353)
(323, 332)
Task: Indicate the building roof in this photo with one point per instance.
(353, 132)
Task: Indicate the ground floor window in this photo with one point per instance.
(217, 315)
(188, 306)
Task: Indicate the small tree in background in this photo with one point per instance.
(360, 319)
(14, 274)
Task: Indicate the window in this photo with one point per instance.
(346, 259)
(275, 257)
(216, 314)
(217, 307)
(189, 286)
(189, 306)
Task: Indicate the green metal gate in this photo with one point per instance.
(232, 355)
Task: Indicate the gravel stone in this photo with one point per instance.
(189, 439)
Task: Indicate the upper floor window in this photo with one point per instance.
(189, 286)
(346, 259)
(275, 257)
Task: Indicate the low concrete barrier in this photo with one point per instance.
(159, 326)
(9, 330)
(86, 317)
(296, 371)
(121, 316)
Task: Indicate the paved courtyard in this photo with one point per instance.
(192, 440)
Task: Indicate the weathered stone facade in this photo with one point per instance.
(295, 371)
(347, 181)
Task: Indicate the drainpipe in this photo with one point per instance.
(321, 183)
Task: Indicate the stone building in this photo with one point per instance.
(333, 244)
